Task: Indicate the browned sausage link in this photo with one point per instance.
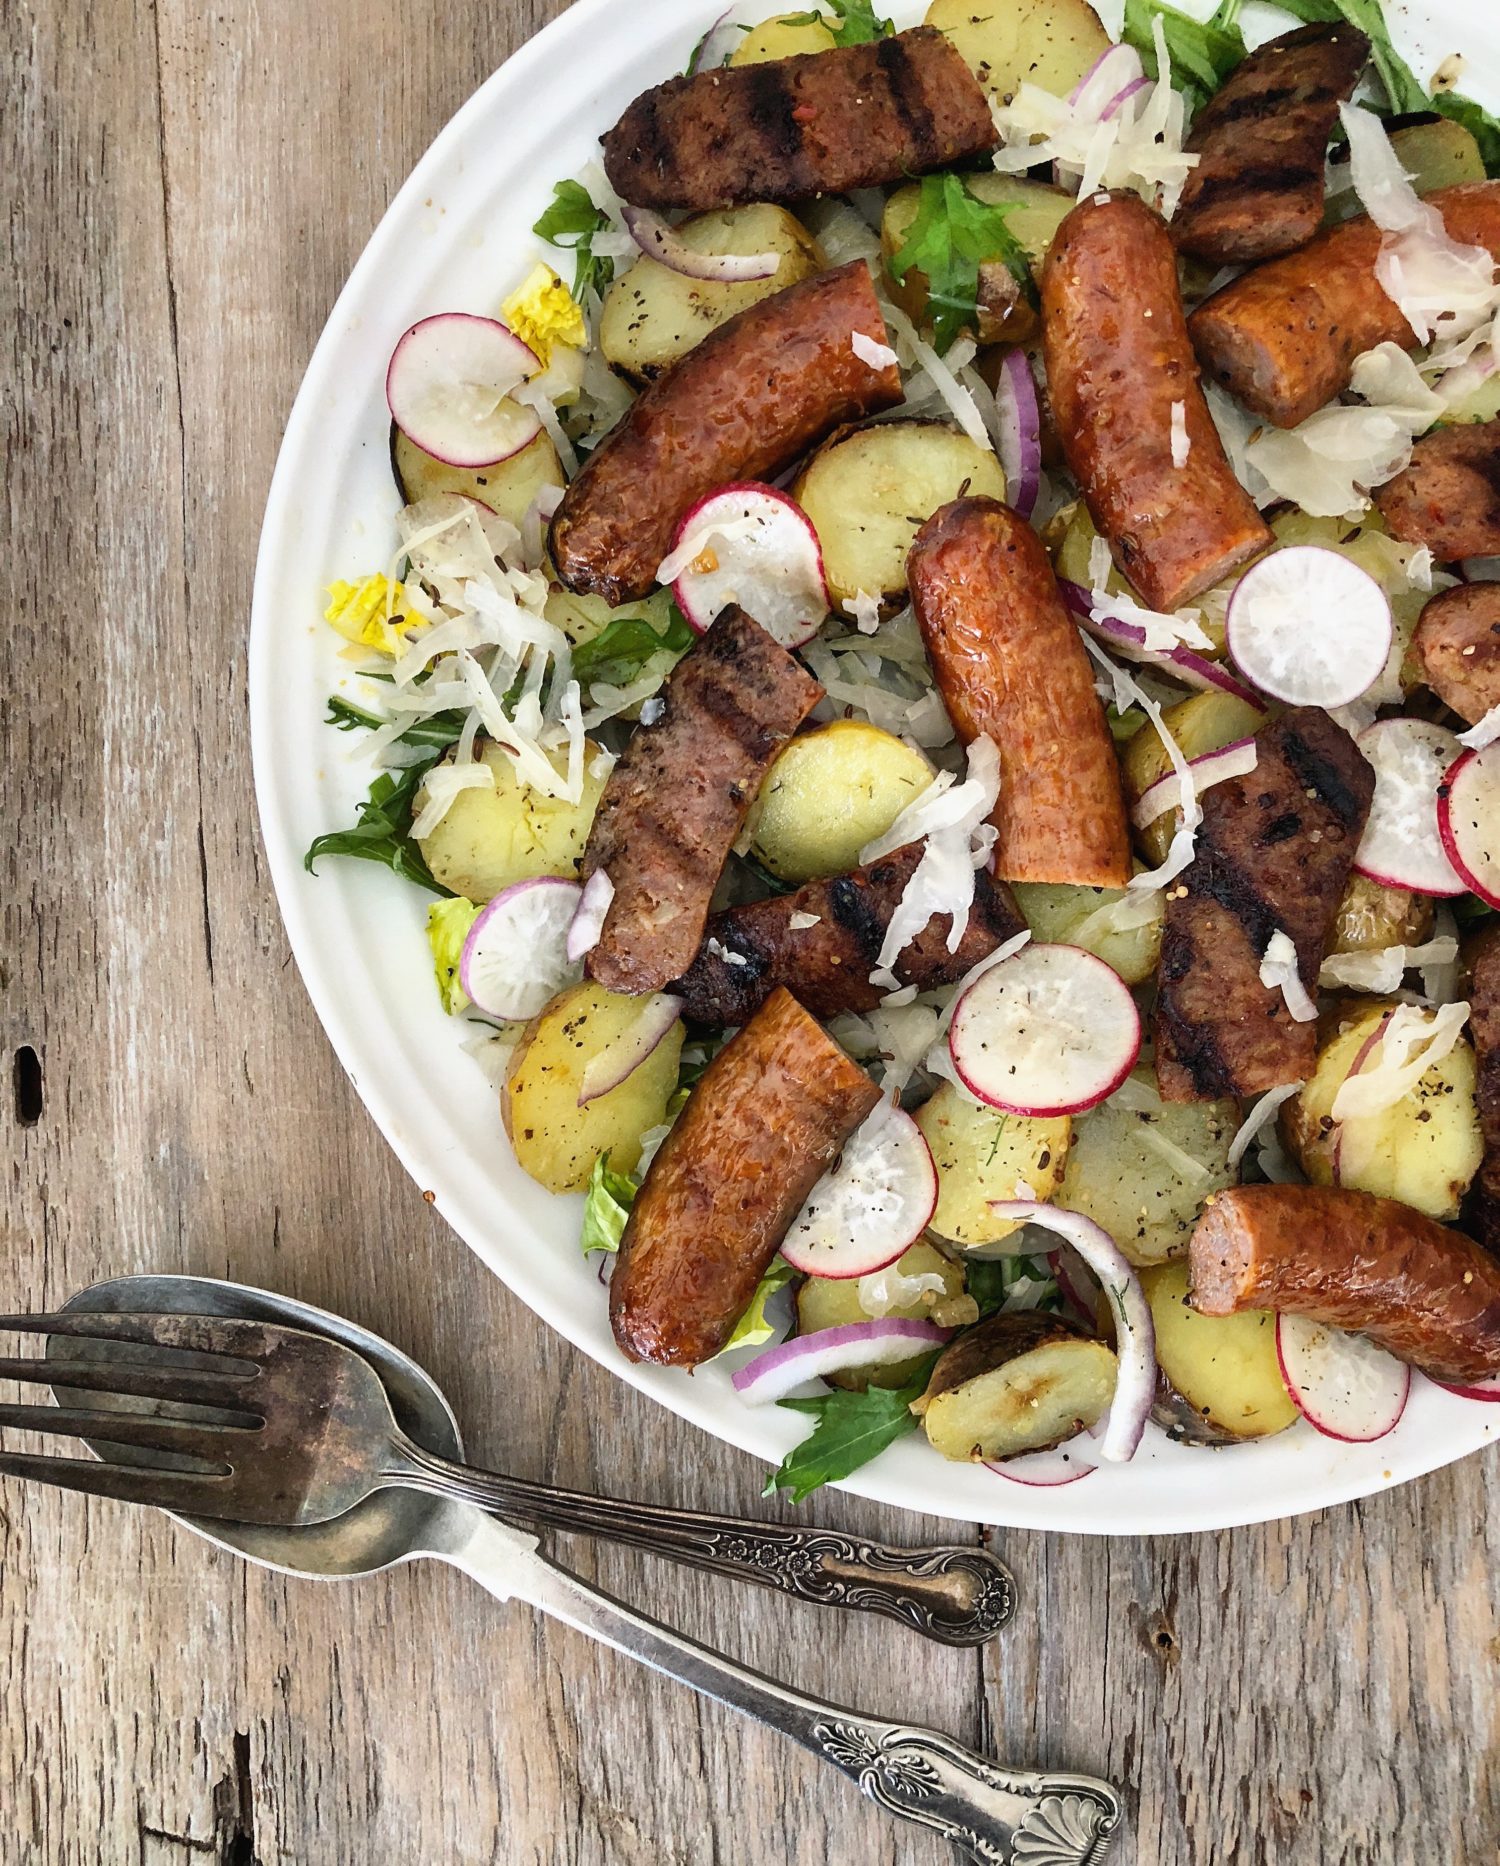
(753, 397)
(1118, 363)
(751, 950)
(767, 1119)
(1274, 854)
(1009, 664)
(796, 127)
(1458, 644)
(1284, 337)
(1262, 140)
(1373, 1266)
(1449, 497)
(1484, 1026)
(680, 794)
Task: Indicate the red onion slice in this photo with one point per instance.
(606, 1069)
(1208, 769)
(780, 1370)
(1020, 431)
(1184, 664)
(593, 909)
(1116, 68)
(1050, 1470)
(660, 242)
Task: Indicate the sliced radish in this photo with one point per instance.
(1232, 761)
(1342, 1384)
(1309, 627)
(1469, 820)
(1135, 1332)
(1020, 437)
(606, 1069)
(1488, 1389)
(593, 910)
(660, 242)
(754, 546)
(871, 1206)
(1050, 1470)
(448, 388)
(1129, 638)
(1052, 1031)
(1402, 846)
(515, 960)
(883, 1343)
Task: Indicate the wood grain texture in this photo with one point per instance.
(185, 191)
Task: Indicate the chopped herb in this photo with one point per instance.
(953, 234)
(1203, 52)
(623, 647)
(851, 1429)
(351, 718)
(1004, 1122)
(606, 1207)
(571, 223)
(855, 22)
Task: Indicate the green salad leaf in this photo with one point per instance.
(753, 1327)
(606, 1207)
(1203, 52)
(992, 1282)
(448, 924)
(851, 1429)
(953, 234)
(571, 223)
(855, 22)
(625, 644)
(382, 831)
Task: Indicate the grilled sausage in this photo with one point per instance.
(1009, 664)
(1284, 337)
(751, 950)
(1259, 186)
(1274, 855)
(1484, 1026)
(1458, 644)
(796, 127)
(1449, 497)
(1429, 1295)
(680, 793)
(751, 399)
(1118, 363)
(767, 1119)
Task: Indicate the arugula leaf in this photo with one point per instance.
(623, 646)
(382, 832)
(1203, 52)
(448, 924)
(348, 717)
(851, 1429)
(753, 1327)
(991, 1282)
(606, 1207)
(570, 223)
(855, 23)
(953, 234)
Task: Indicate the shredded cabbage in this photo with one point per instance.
(1413, 1040)
(1279, 969)
(1258, 1119)
(1382, 972)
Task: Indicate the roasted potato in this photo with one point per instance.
(1050, 43)
(581, 618)
(490, 838)
(1204, 723)
(1016, 1383)
(1142, 1167)
(508, 488)
(828, 1302)
(652, 316)
(981, 1154)
(1372, 917)
(1121, 928)
(785, 35)
(1424, 1150)
(1440, 154)
(1034, 213)
(1219, 1378)
(869, 490)
(555, 1140)
(831, 792)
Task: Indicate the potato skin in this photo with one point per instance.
(763, 1124)
(1228, 1364)
(488, 839)
(993, 1342)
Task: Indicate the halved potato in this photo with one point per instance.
(830, 792)
(555, 1140)
(490, 838)
(1372, 916)
(827, 1302)
(1050, 43)
(1142, 1167)
(1205, 723)
(1016, 1383)
(869, 491)
(1120, 927)
(508, 488)
(784, 35)
(581, 618)
(981, 1154)
(1220, 1379)
(1440, 154)
(653, 316)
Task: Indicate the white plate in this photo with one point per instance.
(458, 237)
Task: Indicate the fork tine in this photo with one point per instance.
(189, 1438)
(227, 1336)
(165, 1490)
(192, 1388)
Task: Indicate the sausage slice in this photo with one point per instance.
(1449, 497)
(1119, 363)
(766, 1120)
(1458, 643)
(819, 124)
(751, 399)
(1284, 337)
(1484, 1027)
(1262, 143)
(1009, 664)
(680, 794)
(1426, 1294)
(751, 950)
(1274, 855)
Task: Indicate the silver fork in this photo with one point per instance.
(289, 1464)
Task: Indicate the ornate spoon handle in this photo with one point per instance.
(959, 1596)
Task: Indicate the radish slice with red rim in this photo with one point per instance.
(1469, 820)
(662, 243)
(884, 1343)
(1050, 1470)
(871, 1206)
(1309, 627)
(515, 959)
(1020, 437)
(1402, 846)
(1231, 761)
(754, 546)
(1135, 1333)
(1129, 639)
(593, 910)
(448, 388)
(606, 1069)
(1474, 1389)
(1051, 1031)
(1342, 1384)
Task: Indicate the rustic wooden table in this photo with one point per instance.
(185, 191)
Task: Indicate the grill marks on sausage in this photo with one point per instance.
(1273, 855)
(1449, 496)
(904, 75)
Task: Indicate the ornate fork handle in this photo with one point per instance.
(959, 1596)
